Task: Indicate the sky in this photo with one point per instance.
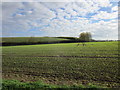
(53, 19)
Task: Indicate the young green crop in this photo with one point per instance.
(97, 62)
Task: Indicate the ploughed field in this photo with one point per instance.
(69, 63)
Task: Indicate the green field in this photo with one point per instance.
(31, 39)
(15, 41)
(63, 64)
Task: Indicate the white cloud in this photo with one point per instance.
(104, 29)
(14, 19)
(115, 8)
(100, 30)
(59, 19)
(105, 15)
(105, 3)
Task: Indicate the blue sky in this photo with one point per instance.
(25, 19)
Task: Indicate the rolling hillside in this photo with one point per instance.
(11, 41)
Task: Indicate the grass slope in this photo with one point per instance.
(31, 39)
(13, 41)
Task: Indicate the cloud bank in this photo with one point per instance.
(20, 19)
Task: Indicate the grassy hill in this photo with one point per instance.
(9, 41)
